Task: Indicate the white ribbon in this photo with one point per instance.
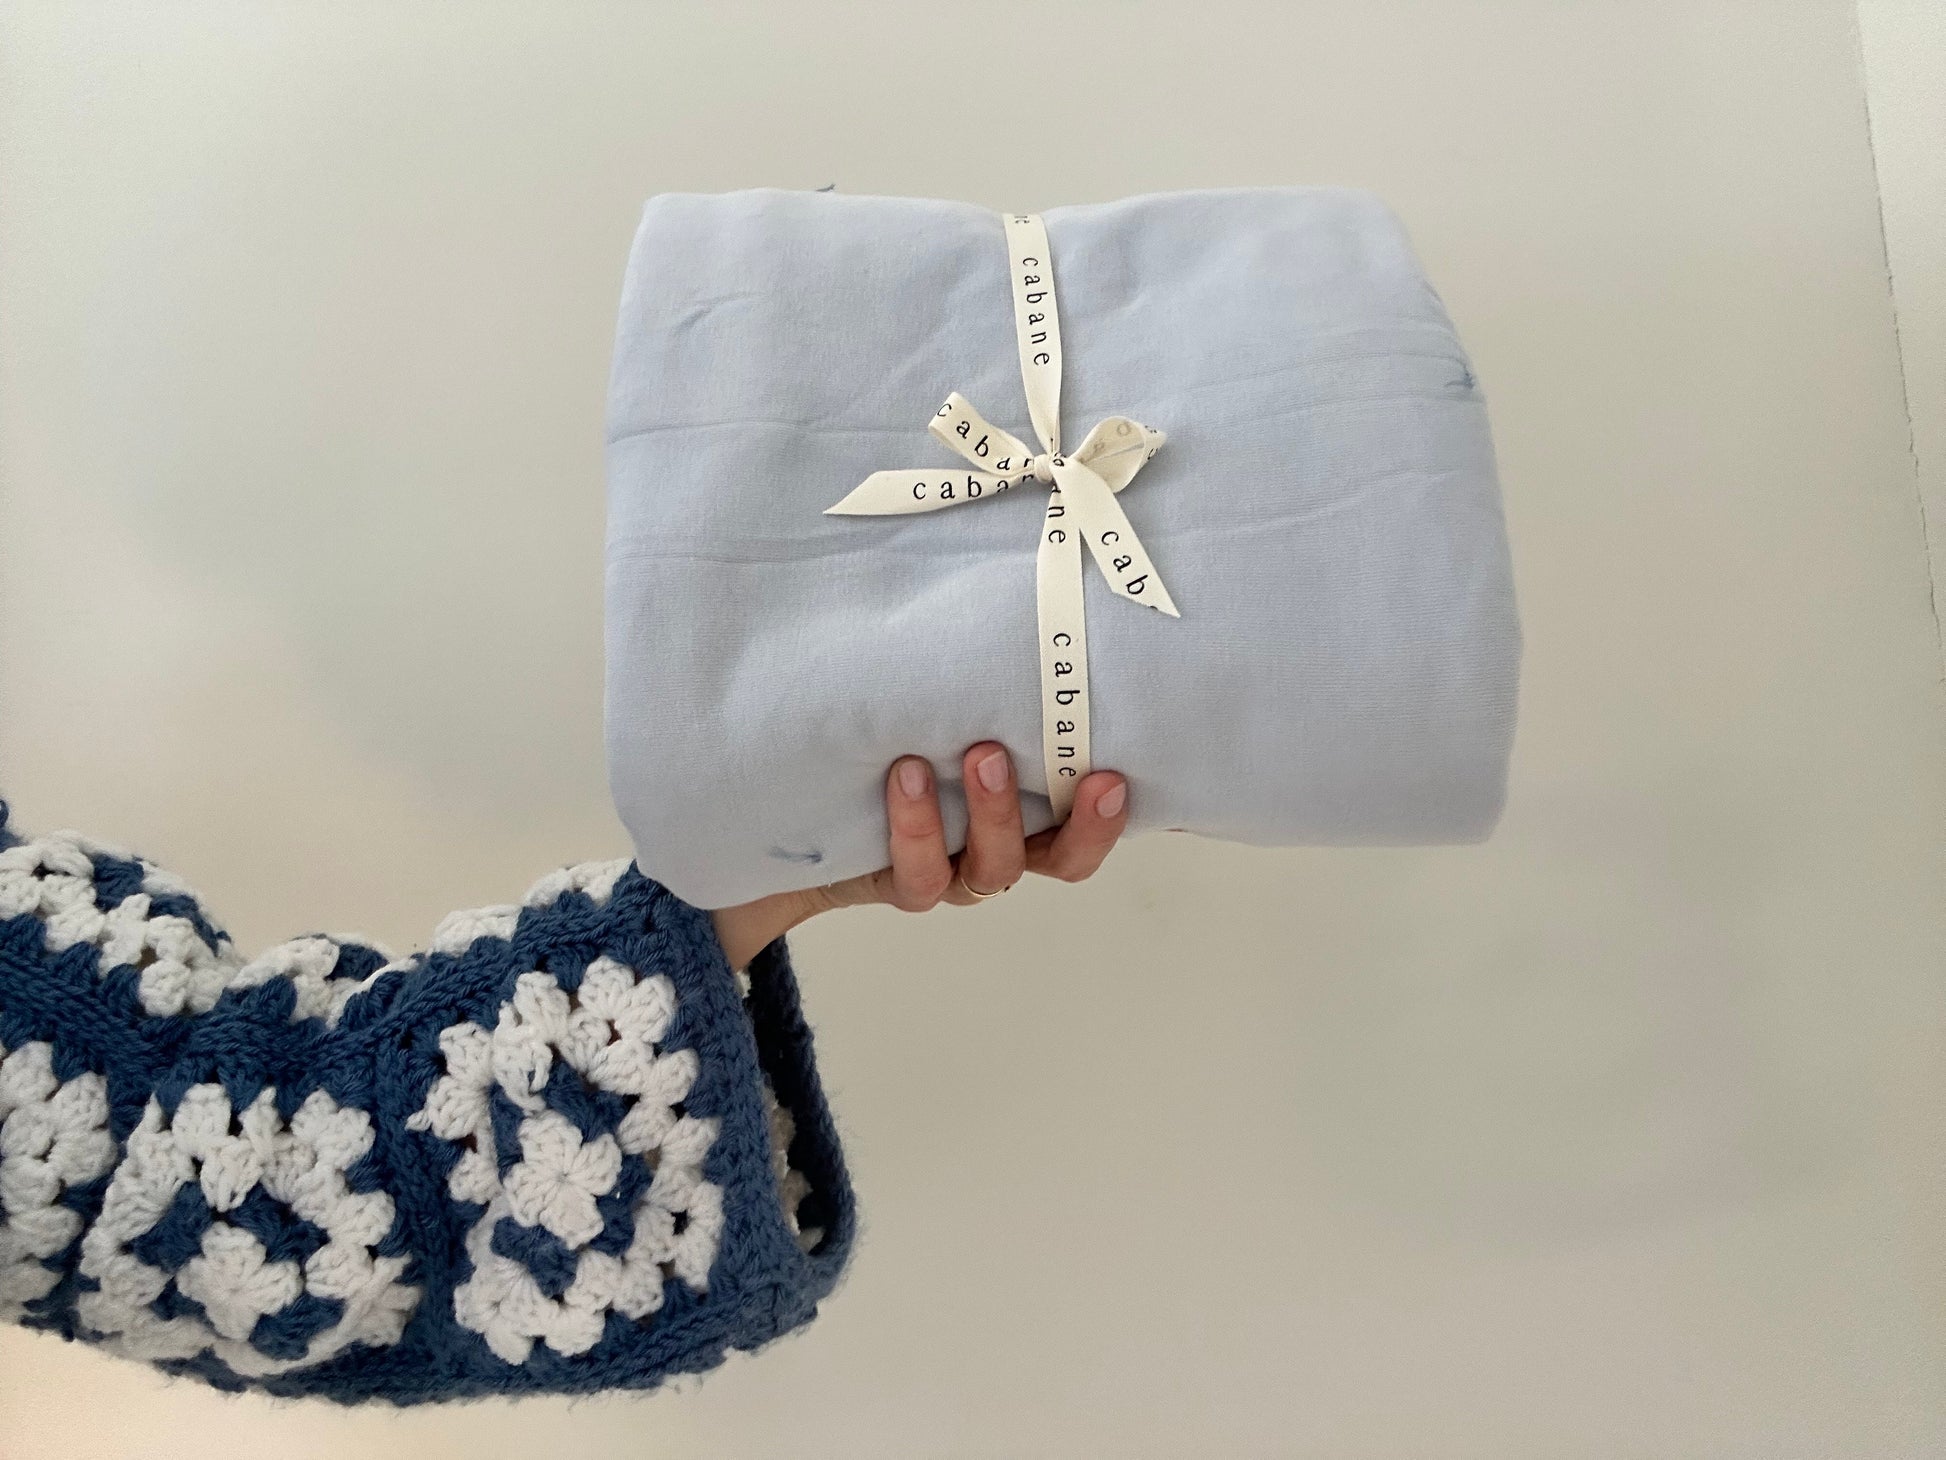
(1081, 505)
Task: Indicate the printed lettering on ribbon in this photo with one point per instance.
(1081, 505)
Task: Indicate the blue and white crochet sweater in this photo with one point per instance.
(565, 1149)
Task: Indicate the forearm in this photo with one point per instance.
(508, 1163)
(746, 930)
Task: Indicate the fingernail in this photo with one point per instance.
(912, 777)
(1110, 804)
(992, 771)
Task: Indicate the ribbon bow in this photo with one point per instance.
(1081, 504)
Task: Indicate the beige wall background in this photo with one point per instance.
(1620, 1135)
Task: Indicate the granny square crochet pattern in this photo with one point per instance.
(564, 1149)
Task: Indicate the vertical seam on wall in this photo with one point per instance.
(1933, 549)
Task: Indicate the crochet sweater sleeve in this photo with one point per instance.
(566, 1148)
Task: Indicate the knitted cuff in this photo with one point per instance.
(565, 1149)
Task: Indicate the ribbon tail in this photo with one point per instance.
(1061, 617)
(1119, 553)
(917, 489)
(963, 429)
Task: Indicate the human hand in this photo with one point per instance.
(921, 875)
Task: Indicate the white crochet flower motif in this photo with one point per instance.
(457, 930)
(310, 961)
(53, 1135)
(311, 965)
(53, 879)
(607, 1034)
(232, 1275)
(559, 1178)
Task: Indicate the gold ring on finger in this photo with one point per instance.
(975, 892)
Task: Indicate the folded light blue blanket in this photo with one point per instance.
(1326, 515)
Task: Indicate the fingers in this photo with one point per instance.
(921, 871)
(996, 852)
(922, 874)
(1074, 851)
